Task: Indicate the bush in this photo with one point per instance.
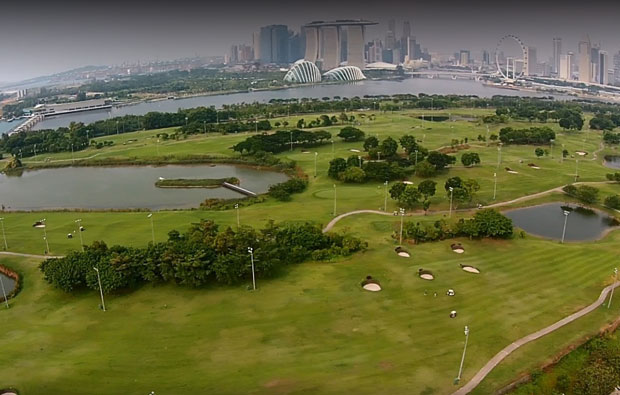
(425, 169)
(283, 191)
(353, 175)
(613, 201)
(349, 134)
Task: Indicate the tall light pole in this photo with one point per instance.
(551, 141)
(562, 156)
(237, 208)
(251, 251)
(499, 154)
(359, 159)
(316, 155)
(72, 156)
(576, 169)
(386, 194)
(157, 147)
(6, 246)
(566, 213)
(333, 150)
(451, 194)
(401, 211)
(291, 140)
(612, 288)
(494, 185)
(458, 378)
(47, 244)
(487, 136)
(152, 227)
(79, 226)
(334, 200)
(6, 301)
(100, 289)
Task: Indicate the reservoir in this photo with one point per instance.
(124, 187)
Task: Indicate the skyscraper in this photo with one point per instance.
(274, 44)
(585, 63)
(390, 36)
(464, 57)
(406, 30)
(531, 65)
(565, 70)
(557, 51)
(594, 58)
(617, 68)
(603, 66)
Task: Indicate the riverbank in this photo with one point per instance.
(195, 182)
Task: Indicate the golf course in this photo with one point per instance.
(313, 328)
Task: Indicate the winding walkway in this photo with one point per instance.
(29, 255)
(500, 356)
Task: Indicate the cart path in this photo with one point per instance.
(29, 255)
(500, 356)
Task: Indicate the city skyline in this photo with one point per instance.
(68, 37)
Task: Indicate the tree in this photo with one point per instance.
(471, 186)
(388, 147)
(439, 160)
(493, 137)
(425, 169)
(336, 166)
(454, 182)
(613, 201)
(587, 194)
(409, 143)
(492, 223)
(427, 188)
(613, 176)
(353, 175)
(470, 159)
(539, 152)
(397, 189)
(601, 122)
(565, 153)
(410, 197)
(350, 134)
(370, 142)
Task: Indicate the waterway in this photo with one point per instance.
(360, 89)
(123, 187)
(612, 161)
(8, 282)
(547, 220)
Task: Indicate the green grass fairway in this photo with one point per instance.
(313, 329)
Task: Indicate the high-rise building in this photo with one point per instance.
(617, 68)
(375, 51)
(530, 68)
(585, 62)
(296, 46)
(565, 71)
(464, 57)
(274, 44)
(594, 58)
(406, 30)
(390, 36)
(486, 58)
(557, 51)
(256, 45)
(603, 68)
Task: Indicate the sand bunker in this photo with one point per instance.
(404, 254)
(470, 269)
(458, 248)
(427, 276)
(372, 287)
(512, 172)
(354, 150)
(581, 153)
(533, 166)
(408, 182)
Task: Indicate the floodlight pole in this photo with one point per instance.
(458, 378)
(612, 287)
(79, 222)
(152, 227)
(316, 155)
(100, 289)
(291, 132)
(451, 194)
(402, 217)
(386, 195)
(566, 213)
(334, 200)
(47, 244)
(251, 251)
(576, 169)
(494, 185)
(6, 247)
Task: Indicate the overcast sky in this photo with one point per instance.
(44, 37)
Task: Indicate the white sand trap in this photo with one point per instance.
(512, 172)
(581, 153)
(404, 254)
(372, 287)
(427, 276)
(408, 182)
(471, 269)
(354, 150)
(305, 152)
(40, 226)
(535, 167)
(459, 250)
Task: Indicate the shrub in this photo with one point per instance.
(353, 175)
(613, 201)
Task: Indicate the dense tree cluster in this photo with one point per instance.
(611, 138)
(282, 140)
(349, 134)
(409, 196)
(284, 190)
(203, 255)
(605, 121)
(534, 135)
(26, 144)
(469, 159)
(485, 223)
(584, 193)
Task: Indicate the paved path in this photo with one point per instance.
(334, 221)
(29, 255)
(486, 369)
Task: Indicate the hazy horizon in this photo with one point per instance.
(51, 37)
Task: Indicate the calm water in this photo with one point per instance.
(612, 162)
(8, 282)
(547, 220)
(410, 85)
(123, 187)
(5, 126)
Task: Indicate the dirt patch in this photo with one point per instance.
(283, 386)
(386, 365)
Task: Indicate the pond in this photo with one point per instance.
(547, 220)
(612, 161)
(9, 284)
(124, 187)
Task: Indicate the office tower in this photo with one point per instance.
(406, 30)
(617, 68)
(603, 66)
(530, 65)
(233, 58)
(464, 57)
(274, 44)
(557, 51)
(411, 48)
(256, 45)
(375, 51)
(594, 58)
(295, 47)
(390, 36)
(486, 58)
(585, 63)
(565, 71)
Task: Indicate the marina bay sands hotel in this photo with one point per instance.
(325, 40)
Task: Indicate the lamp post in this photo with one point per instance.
(117, 127)
(566, 213)
(494, 185)
(386, 194)
(79, 225)
(499, 154)
(576, 169)
(316, 155)
(612, 288)
(72, 156)
(458, 378)
(334, 200)
(451, 194)
(100, 289)
(359, 159)
(204, 127)
(157, 147)
(186, 119)
(487, 136)
(47, 244)
(251, 251)
(551, 141)
(291, 132)
(333, 150)
(6, 247)
(402, 217)
(152, 227)
(237, 208)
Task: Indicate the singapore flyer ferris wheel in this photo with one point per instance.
(511, 57)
